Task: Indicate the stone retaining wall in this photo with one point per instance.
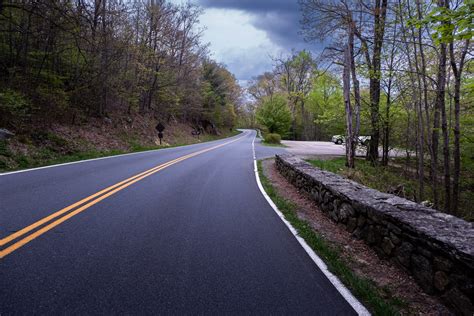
(436, 248)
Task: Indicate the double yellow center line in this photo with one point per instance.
(49, 222)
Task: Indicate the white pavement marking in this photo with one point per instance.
(356, 305)
(75, 162)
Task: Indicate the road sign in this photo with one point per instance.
(160, 127)
(196, 132)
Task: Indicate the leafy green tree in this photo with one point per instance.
(12, 105)
(220, 94)
(275, 115)
(326, 104)
(60, 60)
(295, 74)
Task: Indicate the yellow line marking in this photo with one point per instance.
(108, 192)
(66, 209)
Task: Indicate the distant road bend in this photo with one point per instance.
(179, 230)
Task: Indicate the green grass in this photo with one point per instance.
(378, 300)
(333, 165)
(377, 177)
(386, 178)
(47, 156)
(273, 145)
(210, 137)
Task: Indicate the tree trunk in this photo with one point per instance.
(457, 71)
(441, 106)
(347, 101)
(355, 81)
(386, 131)
(374, 83)
(426, 105)
(457, 145)
(416, 100)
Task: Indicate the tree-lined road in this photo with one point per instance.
(193, 235)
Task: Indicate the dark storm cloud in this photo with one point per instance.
(252, 5)
(278, 18)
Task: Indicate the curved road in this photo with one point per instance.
(192, 236)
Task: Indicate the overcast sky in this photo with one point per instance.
(244, 34)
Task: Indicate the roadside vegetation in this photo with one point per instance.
(272, 139)
(264, 143)
(49, 148)
(108, 71)
(275, 116)
(398, 71)
(377, 300)
(396, 178)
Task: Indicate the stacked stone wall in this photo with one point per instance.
(436, 248)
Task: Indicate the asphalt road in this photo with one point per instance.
(195, 237)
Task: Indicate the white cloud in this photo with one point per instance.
(231, 29)
(235, 42)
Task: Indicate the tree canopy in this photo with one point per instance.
(275, 115)
(70, 60)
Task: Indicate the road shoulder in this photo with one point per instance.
(374, 281)
(266, 190)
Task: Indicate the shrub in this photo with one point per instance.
(13, 105)
(274, 114)
(272, 138)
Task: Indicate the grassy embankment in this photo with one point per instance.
(378, 300)
(48, 148)
(395, 178)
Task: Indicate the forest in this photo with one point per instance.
(70, 62)
(399, 71)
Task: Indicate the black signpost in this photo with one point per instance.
(160, 128)
(196, 132)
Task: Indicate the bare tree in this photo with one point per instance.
(350, 145)
(457, 66)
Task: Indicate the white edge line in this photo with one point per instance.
(107, 157)
(344, 291)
